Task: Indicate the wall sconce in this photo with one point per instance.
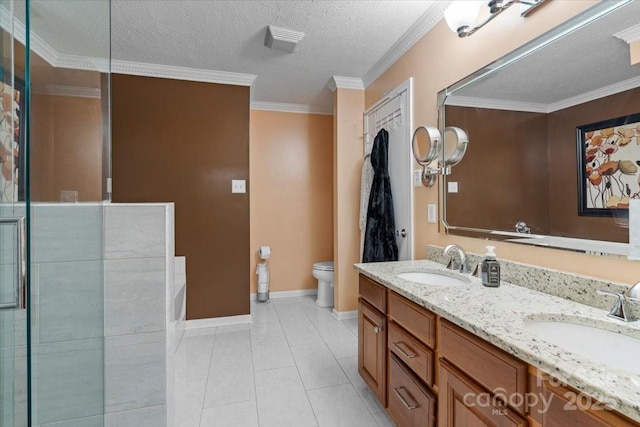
(461, 15)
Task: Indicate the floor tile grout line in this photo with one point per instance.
(349, 382)
(206, 386)
(255, 387)
(295, 363)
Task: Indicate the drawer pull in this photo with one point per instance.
(404, 352)
(376, 329)
(403, 399)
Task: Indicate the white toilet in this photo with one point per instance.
(323, 271)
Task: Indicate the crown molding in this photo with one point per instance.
(290, 108)
(339, 82)
(88, 63)
(76, 91)
(495, 104)
(181, 73)
(629, 35)
(419, 29)
(631, 83)
(38, 45)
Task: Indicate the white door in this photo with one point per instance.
(394, 113)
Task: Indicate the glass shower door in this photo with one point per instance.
(54, 80)
(13, 313)
(68, 145)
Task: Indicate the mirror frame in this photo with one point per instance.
(584, 18)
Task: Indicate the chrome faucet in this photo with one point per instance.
(461, 253)
(622, 309)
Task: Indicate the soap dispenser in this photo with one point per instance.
(490, 269)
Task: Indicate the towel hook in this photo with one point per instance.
(399, 118)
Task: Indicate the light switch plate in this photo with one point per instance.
(432, 213)
(238, 186)
(452, 187)
(417, 178)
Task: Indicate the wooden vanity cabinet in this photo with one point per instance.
(411, 341)
(463, 403)
(372, 337)
(561, 406)
(429, 370)
(411, 404)
(473, 376)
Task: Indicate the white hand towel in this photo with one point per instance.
(365, 189)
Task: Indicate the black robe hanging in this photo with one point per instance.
(379, 237)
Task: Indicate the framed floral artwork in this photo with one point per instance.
(12, 140)
(608, 165)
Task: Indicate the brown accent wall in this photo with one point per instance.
(563, 161)
(291, 195)
(183, 142)
(510, 157)
(66, 147)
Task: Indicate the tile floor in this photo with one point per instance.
(294, 366)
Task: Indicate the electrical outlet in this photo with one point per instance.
(238, 186)
(432, 213)
(452, 187)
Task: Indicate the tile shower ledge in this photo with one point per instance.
(498, 315)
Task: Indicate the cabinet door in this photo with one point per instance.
(372, 346)
(462, 403)
(569, 408)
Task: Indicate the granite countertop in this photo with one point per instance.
(499, 316)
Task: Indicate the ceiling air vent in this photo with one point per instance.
(282, 38)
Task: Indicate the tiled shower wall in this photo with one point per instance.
(67, 316)
(104, 320)
(139, 332)
(13, 350)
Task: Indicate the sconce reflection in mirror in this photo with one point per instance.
(430, 137)
(461, 141)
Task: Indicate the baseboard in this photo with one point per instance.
(217, 321)
(344, 315)
(289, 294)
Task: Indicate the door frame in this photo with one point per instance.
(405, 88)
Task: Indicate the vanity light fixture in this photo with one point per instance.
(461, 15)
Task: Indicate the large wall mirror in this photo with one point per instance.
(554, 138)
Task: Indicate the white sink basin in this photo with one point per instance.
(599, 345)
(433, 278)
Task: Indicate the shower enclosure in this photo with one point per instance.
(54, 164)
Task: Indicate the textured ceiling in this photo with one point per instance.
(585, 60)
(344, 38)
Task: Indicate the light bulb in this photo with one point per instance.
(462, 13)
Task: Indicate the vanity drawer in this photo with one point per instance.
(414, 318)
(490, 367)
(410, 403)
(373, 293)
(414, 354)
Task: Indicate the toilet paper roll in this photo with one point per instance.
(264, 252)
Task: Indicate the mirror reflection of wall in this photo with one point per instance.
(69, 99)
(522, 159)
